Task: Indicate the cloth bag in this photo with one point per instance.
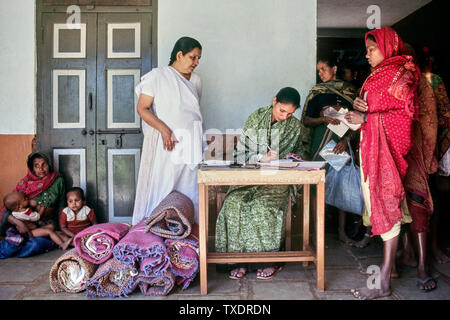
(343, 187)
(337, 161)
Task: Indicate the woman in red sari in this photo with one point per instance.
(386, 108)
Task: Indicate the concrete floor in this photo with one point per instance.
(28, 279)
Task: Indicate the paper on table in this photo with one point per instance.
(297, 165)
(216, 163)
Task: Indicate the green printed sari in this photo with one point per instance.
(314, 139)
(252, 218)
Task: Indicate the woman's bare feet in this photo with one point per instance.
(439, 256)
(362, 243)
(370, 294)
(343, 237)
(66, 244)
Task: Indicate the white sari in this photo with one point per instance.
(176, 103)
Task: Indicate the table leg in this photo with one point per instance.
(320, 234)
(203, 236)
(306, 213)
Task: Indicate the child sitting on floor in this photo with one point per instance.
(22, 208)
(76, 216)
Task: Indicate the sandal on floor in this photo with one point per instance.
(424, 282)
(238, 273)
(271, 275)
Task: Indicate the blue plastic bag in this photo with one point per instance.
(34, 246)
(343, 188)
(7, 249)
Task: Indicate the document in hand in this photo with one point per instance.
(341, 128)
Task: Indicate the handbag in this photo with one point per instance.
(343, 187)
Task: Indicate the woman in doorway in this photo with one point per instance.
(386, 108)
(337, 93)
(252, 217)
(169, 105)
(331, 92)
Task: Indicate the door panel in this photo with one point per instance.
(87, 119)
(123, 55)
(65, 116)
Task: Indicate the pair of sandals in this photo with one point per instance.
(239, 273)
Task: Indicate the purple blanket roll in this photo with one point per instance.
(184, 258)
(144, 248)
(160, 285)
(96, 243)
(112, 279)
(173, 217)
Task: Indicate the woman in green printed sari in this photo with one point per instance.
(332, 92)
(252, 218)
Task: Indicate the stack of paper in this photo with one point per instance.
(216, 163)
(296, 165)
(341, 128)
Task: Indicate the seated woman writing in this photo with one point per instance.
(252, 218)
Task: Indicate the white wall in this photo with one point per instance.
(251, 49)
(17, 67)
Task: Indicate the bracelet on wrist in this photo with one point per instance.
(365, 117)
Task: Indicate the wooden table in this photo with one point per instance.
(209, 176)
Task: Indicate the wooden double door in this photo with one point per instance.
(87, 120)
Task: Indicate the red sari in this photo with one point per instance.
(422, 159)
(390, 92)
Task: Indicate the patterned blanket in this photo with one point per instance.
(112, 279)
(146, 249)
(159, 285)
(184, 257)
(96, 242)
(173, 217)
(70, 272)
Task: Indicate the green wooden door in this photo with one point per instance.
(87, 118)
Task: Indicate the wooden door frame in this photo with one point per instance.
(42, 8)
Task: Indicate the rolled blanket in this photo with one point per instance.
(184, 257)
(70, 272)
(173, 217)
(145, 248)
(160, 285)
(96, 243)
(112, 279)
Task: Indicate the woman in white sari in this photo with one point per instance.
(169, 105)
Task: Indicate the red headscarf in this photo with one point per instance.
(390, 92)
(31, 185)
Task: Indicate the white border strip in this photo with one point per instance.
(79, 152)
(82, 97)
(137, 40)
(110, 107)
(66, 55)
(137, 160)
